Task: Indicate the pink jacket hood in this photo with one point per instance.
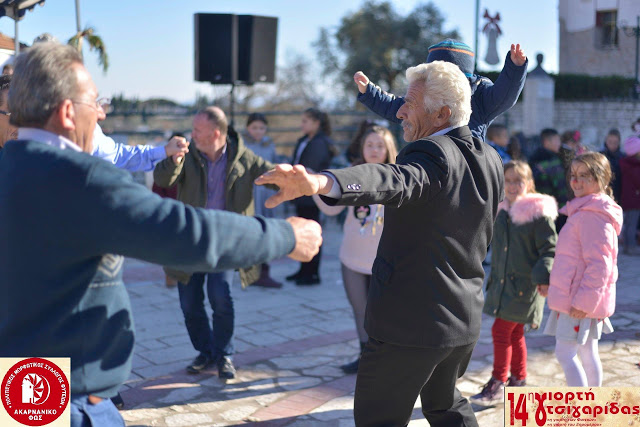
(585, 268)
(599, 203)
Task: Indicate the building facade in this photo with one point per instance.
(593, 39)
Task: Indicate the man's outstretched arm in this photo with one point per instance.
(415, 179)
(134, 158)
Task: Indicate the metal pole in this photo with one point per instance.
(17, 39)
(637, 45)
(78, 26)
(232, 106)
(475, 56)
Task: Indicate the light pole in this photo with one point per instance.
(475, 55)
(634, 32)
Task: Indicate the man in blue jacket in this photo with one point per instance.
(488, 100)
(68, 219)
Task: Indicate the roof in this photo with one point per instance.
(8, 43)
(16, 9)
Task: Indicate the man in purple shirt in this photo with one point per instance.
(217, 174)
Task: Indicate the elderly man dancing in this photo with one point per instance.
(425, 301)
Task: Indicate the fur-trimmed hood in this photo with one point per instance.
(530, 207)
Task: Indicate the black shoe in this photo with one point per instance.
(313, 279)
(293, 277)
(351, 368)
(200, 363)
(117, 401)
(226, 370)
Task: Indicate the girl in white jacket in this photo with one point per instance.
(362, 231)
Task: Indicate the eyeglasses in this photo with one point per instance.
(102, 103)
(5, 113)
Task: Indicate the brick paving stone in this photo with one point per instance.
(289, 376)
(183, 420)
(264, 338)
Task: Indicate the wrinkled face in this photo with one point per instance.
(203, 133)
(553, 143)
(309, 125)
(514, 186)
(87, 112)
(7, 130)
(374, 149)
(257, 129)
(612, 142)
(415, 119)
(583, 182)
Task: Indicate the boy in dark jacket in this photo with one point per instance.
(488, 100)
(547, 166)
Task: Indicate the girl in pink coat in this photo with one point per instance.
(582, 286)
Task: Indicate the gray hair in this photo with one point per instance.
(445, 85)
(43, 78)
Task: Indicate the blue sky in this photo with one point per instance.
(150, 43)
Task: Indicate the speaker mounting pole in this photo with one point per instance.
(232, 107)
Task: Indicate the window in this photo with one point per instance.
(606, 29)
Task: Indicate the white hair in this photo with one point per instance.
(444, 85)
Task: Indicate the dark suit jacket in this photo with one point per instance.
(316, 156)
(441, 200)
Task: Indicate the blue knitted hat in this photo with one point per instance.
(455, 52)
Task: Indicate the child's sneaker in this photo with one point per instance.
(513, 382)
(492, 393)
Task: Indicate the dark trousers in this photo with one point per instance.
(311, 267)
(214, 339)
(391, 377)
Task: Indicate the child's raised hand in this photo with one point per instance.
(362, 81)
(517, 55)
(577, 314)
(543, 290)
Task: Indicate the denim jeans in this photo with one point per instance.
(86, 414)
(215, 339)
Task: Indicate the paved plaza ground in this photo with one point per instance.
(289, 343)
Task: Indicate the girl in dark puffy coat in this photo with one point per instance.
(524, 240)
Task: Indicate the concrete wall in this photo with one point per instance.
(593, 119)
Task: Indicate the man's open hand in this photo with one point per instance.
(308, 238)
(293, 181)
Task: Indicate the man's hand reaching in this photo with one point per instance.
(294, 182)
(177, 148)
(308, 238)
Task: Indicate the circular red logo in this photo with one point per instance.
(35, 392)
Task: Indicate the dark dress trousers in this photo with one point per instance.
(425, 301)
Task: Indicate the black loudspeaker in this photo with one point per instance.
(257, 48)
(216, 47)
(234, 48)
